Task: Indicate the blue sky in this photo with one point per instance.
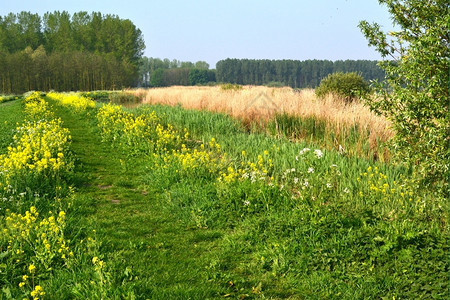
(214, 30)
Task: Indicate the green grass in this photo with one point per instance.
(10, 116)
(164, 259)
(166, 234)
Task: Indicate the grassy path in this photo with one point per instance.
(333, 235)
(148, 250)
(10, 115)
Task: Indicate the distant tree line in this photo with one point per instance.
(157, 72)
(293, 73)
(63, 52)
(85, 51)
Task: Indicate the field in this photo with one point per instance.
(235, 193)
(297, 114)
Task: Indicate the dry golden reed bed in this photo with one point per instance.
(260, 103)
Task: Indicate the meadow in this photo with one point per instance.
(183, 197)
(296, 114)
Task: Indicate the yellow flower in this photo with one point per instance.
(31, 268)
(21, 284)
(38, 291)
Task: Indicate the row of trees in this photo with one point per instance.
(63, 71)
(63, 52)
(294, 73)
(164, 72)
(181, 76)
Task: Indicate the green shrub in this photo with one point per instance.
(415, 92)
(349, 86)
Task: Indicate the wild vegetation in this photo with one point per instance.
(235, 191)
(249, 215)
(298, 115)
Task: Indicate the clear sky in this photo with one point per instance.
(214, 30)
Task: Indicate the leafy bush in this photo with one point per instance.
(415, 93)
(350, 86)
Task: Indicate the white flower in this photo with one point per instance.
(306, 183)
(329, 185)
(310, 170)
(295, 180)
(246, 203)
(318, 153)
(304, 150)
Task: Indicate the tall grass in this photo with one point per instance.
(297, 115)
